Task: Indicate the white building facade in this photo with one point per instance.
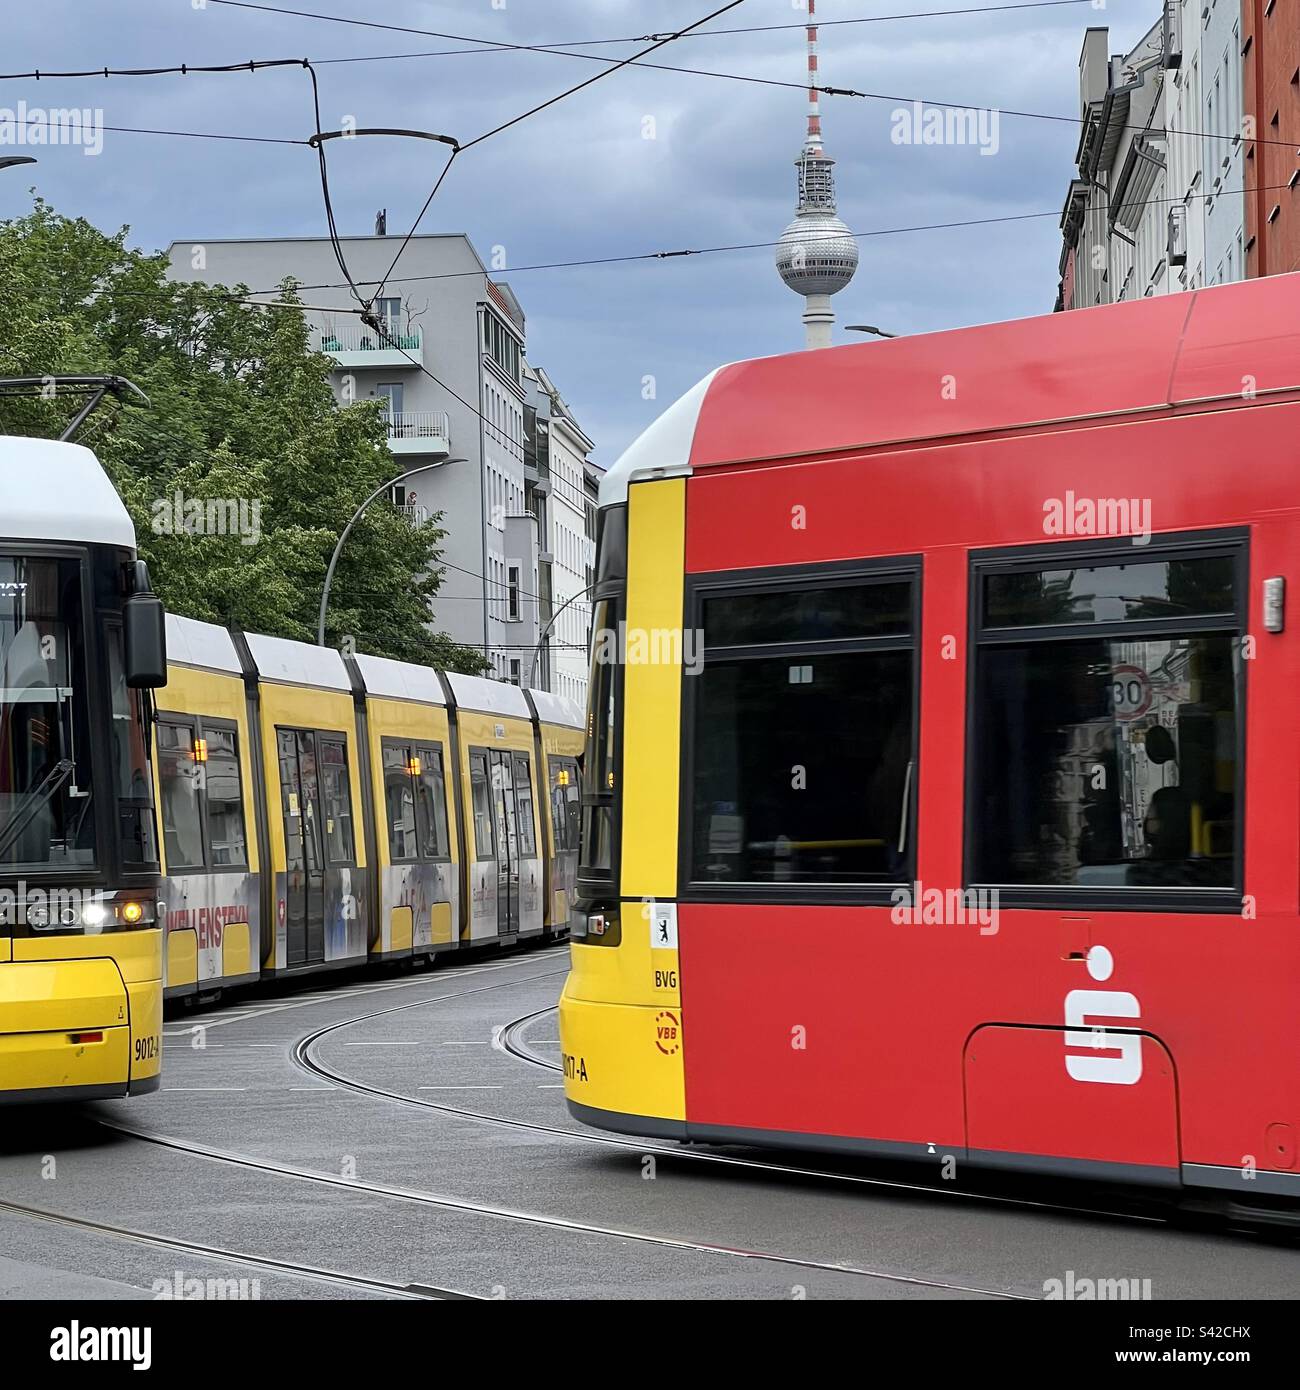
(449, 369)
(1157, 205)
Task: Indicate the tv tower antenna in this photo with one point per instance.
(817, 255)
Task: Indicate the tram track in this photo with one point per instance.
(220, 1254)
(508, 1041)
(301, 1054)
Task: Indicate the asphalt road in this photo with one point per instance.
(468, 1178)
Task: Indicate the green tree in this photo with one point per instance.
(242, 416)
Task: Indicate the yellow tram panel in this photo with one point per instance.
(652, 688)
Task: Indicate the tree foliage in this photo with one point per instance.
(242, 412)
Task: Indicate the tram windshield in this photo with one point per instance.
(46, 819)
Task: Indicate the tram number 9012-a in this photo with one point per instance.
(146, 1049)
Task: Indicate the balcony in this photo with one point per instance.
(356, 346)
(419, 432)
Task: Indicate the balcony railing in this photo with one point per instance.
(358, 346)
(414, 513)
(419, 432)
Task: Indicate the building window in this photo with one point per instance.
(512, 599)
(1105, 718)
(389, 313)
(804, 731)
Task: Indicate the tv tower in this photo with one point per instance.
(817, 255)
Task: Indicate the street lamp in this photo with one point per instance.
(537, 650)
(347, 531)
(867, 328)
(16, 159)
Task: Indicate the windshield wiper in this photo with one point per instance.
(36, 802)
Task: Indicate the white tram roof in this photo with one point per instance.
(556, 709)
(205, 645)
(488, 697)
(663, 449)
(400, 680)
(298, 663)
(51, 491)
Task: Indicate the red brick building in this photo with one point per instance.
(1270, 46)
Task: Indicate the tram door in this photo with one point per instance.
(503, 800)
(304, 851)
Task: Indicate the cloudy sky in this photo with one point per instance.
(582, 179)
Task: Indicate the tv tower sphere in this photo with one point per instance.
(817, 255)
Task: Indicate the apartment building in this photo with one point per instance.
(449, 367)
(1157, 204)
(1270, 49)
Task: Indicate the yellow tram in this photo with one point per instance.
(81, 643)
(319, 811)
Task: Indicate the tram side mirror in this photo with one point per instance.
(145, 631)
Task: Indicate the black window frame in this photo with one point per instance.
(402, 747)
(491, 855)
(322, 737)
(556, 763)
(198, 726)
(189, 723)
(425, 750)
(534, 851)
(832, 574)
(1234, 542)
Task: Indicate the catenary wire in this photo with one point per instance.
(638, 61)
(685, 253)
(495, 46)
(536, 110)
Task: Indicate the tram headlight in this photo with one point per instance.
(93, 915)
(132, 913)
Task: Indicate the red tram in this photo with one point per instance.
(942, 782)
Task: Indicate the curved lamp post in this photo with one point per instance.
(347, 531)
(537, 650)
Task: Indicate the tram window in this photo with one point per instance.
(801, 769)
(524, 808)
(565, 807)
(808, 613)
(1106, 593)
(131, 760)
(179, 776)
(481, 796)
(1108, 758)
(1107, 763)
(47, 783)
(399, 798)
(599, 794)
(431, 804)
(337, 801)
(225, 837)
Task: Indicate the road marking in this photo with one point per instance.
(475, 1043)
(460, 1088)
(455, 972)
(381, 1044)
(205, 1088)
(550, 1086)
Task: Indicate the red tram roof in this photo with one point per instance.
(1151, 354)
